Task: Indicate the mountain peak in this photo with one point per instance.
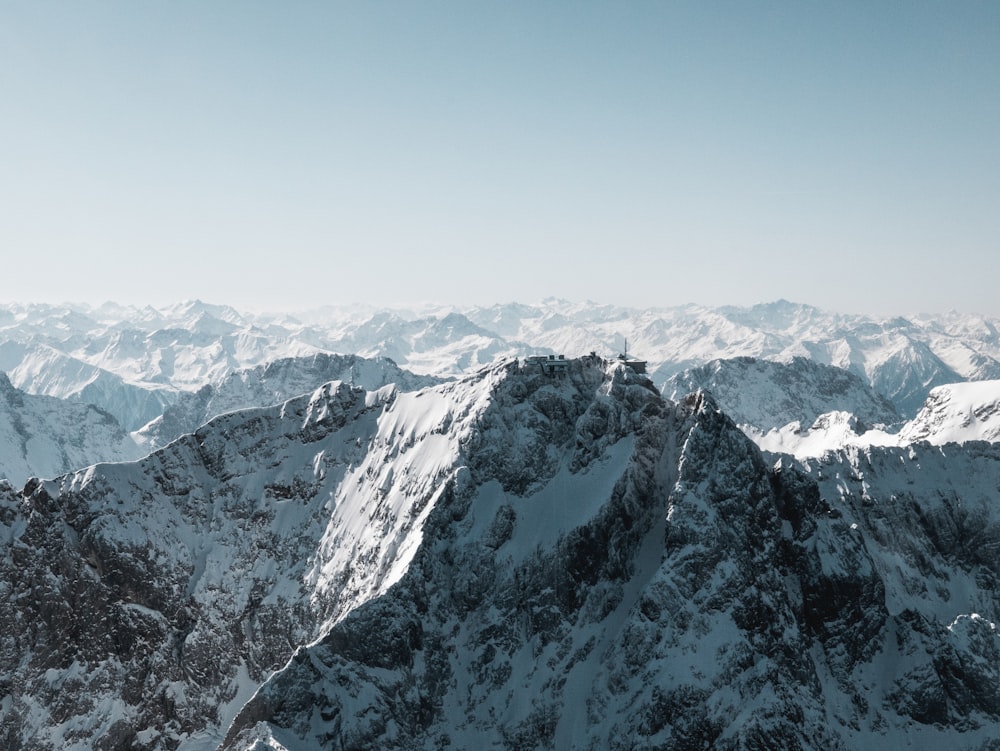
(387, 569)
(958, 412)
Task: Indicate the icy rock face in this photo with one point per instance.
(930, 521)
(510, 560)
(154, 596)
(274, 383)
(158, 595)
(686, 595)
(764, 395)
(44, 436)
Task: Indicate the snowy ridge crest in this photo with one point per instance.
(270, 384)
(707, 601)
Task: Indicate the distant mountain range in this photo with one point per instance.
(134, 362)
(806, 409)
(775, 368)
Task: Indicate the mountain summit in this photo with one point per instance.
(520, 558)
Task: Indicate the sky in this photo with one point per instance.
(279, 156)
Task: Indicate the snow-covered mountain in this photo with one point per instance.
(515, 559)
(134, 362)
(41, 436)
(272, 383)
(764, 395)
(902, 358)
(798, 407)
(958, 413)
(445, 344)
(41, 369)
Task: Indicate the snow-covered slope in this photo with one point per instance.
(956, 413)
(925, 521)
(41, 436)
(763, 395)
(798, 407)
(41, 369)
(161, 593)
(273, 383)
(959, 412)
(510, 560)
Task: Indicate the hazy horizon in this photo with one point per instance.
(439, 307)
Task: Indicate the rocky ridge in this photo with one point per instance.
(957, 413)
(514, 559)
(712, 601)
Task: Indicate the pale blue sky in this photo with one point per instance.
(278, 155)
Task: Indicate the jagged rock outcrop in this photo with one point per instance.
(153, 597)
(652, 622)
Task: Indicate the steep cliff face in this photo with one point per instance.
(929, 518)
(154, 597)
(511, 560)
(655, 614)
(151, 598)
(692, 597)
